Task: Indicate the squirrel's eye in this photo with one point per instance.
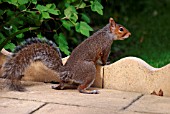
(121, 29)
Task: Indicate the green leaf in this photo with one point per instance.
(77, 27)
(21, 2)
(39, 35)
(14, 2)
(70, 10)
(45, 15)
(20, 35)
(81, 5)
(34, 19)
(2, 38)
(34, 1)
(10, 13)
(16, 21)
(85, 18)
(96, 6)
(74, 17)
(71, 13)
(64, 49)
(41, 8)
(10, 46)
(53, 11)
(67, 24)
(56, 38)
(22, 7)
(13, 29)
(51, 6)
(62, 42)
(83, 28)
(70, 1)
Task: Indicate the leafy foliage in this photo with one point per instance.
(20, 19)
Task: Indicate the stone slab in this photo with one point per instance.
(40, 98)
(133, 74)
(69, 109)
(151, 104)
(14, 106)
(107, 99)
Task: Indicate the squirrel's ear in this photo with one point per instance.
(112, 22)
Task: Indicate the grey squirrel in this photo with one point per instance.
(80, 68)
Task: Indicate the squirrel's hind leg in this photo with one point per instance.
(85, 75)
(82, 88)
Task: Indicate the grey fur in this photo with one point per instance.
(32, 50)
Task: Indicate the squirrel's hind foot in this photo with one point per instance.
(89, 92)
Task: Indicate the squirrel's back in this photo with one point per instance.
(32, 50)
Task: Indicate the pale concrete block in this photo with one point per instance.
(13, 106)
(68, 109)
(151, 105)
(107, 99)
(133, 74)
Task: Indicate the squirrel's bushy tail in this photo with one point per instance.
(32, 50)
